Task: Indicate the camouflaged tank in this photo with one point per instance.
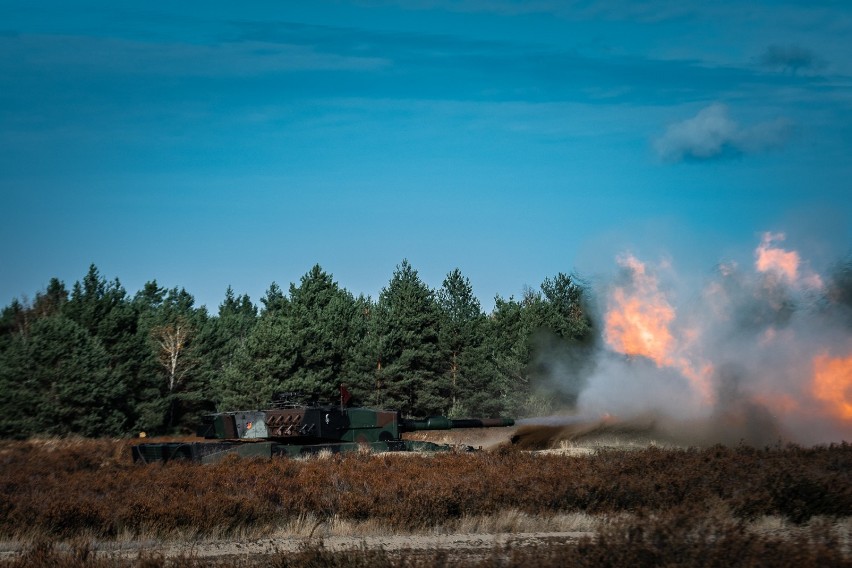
(290, 428)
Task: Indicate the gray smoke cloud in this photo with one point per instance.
(738, 362)
(712, 134)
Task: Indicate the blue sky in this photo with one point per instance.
(208, 144)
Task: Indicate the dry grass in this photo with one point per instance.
(89, 489)
(80, 491)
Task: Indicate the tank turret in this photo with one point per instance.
(292, 428)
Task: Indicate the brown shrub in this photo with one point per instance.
(91, 488)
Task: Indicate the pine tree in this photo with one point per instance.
(221, 338)
(541, 345)
(103, 309)
(147, 392)
(259, 366)
(562, 341)
(411, 369)
(362, 368)
(566, 315)
(52, 300)
(14, 320)
(470, 375)
(274, 301)
(321, 314)
(509, 344)
(57, 380)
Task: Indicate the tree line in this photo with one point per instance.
(97, 361)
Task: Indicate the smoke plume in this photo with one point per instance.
(761, 355)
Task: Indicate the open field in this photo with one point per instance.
(83, 503)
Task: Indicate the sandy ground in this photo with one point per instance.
(456, 544)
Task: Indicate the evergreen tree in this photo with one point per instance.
(321, 314)
(221, 338)
(57, 380)
(92, 302)
(14, 320)
(410, 366)
(147, 392)
(542, 345)
(259, 366)
(509, 344)
(566, 315)
(95, 362)
(301, 345)
(173, 327)
(19, 404)
(52, 300)
(103, 309)
(361, 368)
(150, 297)
(462, 332)
(274, 301)
(562, 340)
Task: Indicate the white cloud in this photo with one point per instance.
(712, 133)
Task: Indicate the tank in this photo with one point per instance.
(294, 427)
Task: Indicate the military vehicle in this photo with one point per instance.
(295, 427)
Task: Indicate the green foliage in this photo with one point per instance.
(320, 321)
(472, 378)
(57, 379)
(300, 346)
(361, 369)
(274, 301)
(541, 346)
(220, 339)
(258, 366)
(171, 388)
(411, 370)
(509, 344)
(149, 403)
(415, 349)
(105, 311)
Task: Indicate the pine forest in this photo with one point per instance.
(96, 361)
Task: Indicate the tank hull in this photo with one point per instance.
(292, 430)
(213, 452)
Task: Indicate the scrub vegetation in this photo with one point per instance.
(654, 505)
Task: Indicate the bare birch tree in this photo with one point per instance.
(172, 340)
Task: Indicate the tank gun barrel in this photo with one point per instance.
(290, 428)
(444, 423)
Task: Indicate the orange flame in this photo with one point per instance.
(780, 370)
(832, 384)
(638, 323)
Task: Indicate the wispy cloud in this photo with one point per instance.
(111, 55)
(654, 10)
(790, 58)
(712, 133)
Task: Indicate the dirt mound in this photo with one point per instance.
(485, 438)
(637, 432)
